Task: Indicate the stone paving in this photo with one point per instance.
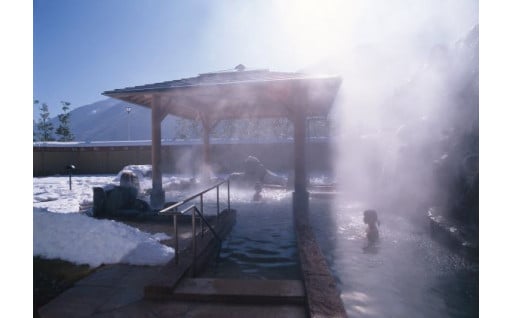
(145, 291)
(118, 291)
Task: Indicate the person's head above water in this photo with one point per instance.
(370, 217)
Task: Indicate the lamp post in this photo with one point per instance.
(128, 111)
(70, 169)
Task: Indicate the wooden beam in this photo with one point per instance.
(139, 99)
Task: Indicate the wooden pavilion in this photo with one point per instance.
(234, 94)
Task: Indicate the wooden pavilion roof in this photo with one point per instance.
(238, 93)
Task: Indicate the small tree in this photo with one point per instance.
(44, 125)
(184, 129)
(188, 129)
(319, 127)
(224, 129)
(34, 134)
(282, 128)
(63, 130)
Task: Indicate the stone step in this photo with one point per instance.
(241, 291)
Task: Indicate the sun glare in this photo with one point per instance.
(317, 29)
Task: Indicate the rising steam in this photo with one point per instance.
(407, 112)
(408, 124)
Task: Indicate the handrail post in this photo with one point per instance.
(194, 242)
(174, 210)
(176, 247)
(229, 203)
(201, 211)
(218, 204)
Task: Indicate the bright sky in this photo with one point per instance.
(82, 48)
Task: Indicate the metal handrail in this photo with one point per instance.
(177, 204)
(174, 212)
(195, 211)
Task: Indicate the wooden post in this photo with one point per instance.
(157, 194)
(300, 195)
(206, 168)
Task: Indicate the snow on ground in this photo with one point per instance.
(54, 194)
(60, 231)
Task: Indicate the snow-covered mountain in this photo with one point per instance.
(108, 120)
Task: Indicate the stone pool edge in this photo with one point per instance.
(322, 295)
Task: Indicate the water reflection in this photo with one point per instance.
(405, 274)
(371, 249)
(262, 243)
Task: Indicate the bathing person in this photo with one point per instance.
(372, 232)
(254, 169)
(257, 195)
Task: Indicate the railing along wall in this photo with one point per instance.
(174, 210)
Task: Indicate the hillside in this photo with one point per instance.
(108, 120)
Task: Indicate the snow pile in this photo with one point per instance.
(80, 239)
(53, 192)
(60, 232)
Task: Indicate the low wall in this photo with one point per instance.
(105, 158)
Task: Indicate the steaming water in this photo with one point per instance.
(406, 275)
(262, 243)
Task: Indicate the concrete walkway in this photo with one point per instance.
(167, 291)
(118, 291)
